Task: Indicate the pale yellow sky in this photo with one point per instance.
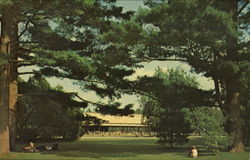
(148, 69)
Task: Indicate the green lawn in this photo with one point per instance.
(120, 148)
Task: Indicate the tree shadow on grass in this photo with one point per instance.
(91, 150)
(112, 149)
(121, 148)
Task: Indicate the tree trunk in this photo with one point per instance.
(231, 109)
(4, 128)
(232, 104)
(4, 81)
(218, 93)
(234, 121)
(13, 87)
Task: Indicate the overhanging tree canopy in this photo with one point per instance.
(60, 37)
(209, 36)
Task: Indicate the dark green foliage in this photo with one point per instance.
(113, 109)
(3, 59)
(63, 39)
(163, 108)
(209, 122)
(138, 111)
(172, 128)
(181, 89)
(92, 120)
(167, 122)
(43, 111)
(246, 123)
(74, 45)
(212, 37)
(194, 30)
(69, 39)
(245, 92)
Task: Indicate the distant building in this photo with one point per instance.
(116, 125)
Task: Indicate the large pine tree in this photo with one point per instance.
(61, 38)
(209, 36)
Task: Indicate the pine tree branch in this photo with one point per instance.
(23, 65)
(75, 94)
(20, 61)
(143, 94)
(167, 59)
(30, 42)
(44, 93)
(59, 93)
(27, 50)
(162, 59)
(73, 77)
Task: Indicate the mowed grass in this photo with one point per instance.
(121, 148)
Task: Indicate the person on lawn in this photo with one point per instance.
(193, 153)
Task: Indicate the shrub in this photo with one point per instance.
(208, 122)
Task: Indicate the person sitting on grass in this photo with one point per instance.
(55, 147)
(193, 153)
(30, 148)
(50, 147)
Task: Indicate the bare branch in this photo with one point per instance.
(25, 29)
(22, 73)
(242, 8)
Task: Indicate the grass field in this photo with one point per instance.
(120, 148)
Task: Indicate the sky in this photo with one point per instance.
(130, 4)
(148, 69)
